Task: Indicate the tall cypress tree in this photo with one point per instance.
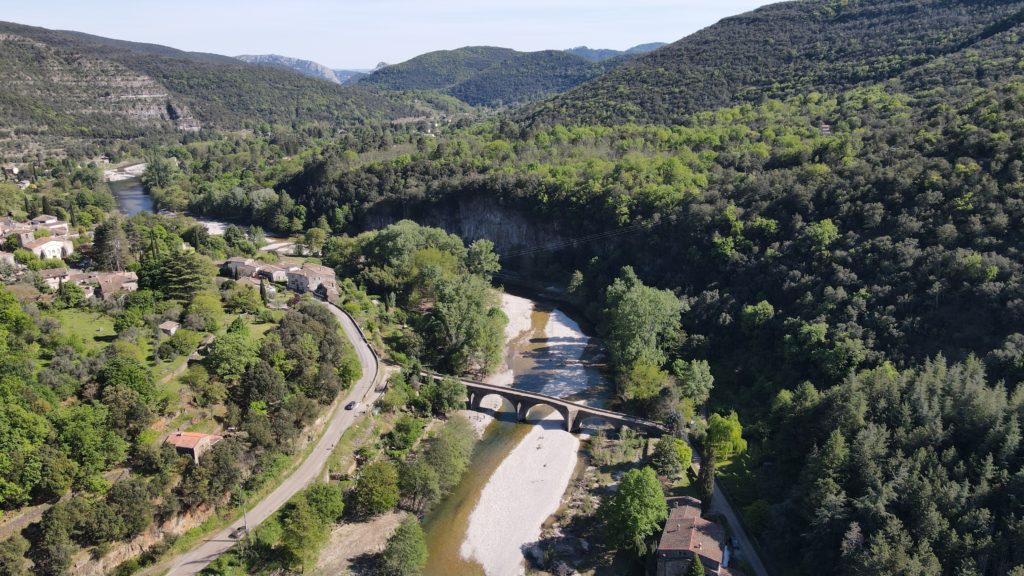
(706, 478)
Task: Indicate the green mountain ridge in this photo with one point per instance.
(598, 54)
(126, 90)
(781, 50)
(489, 76)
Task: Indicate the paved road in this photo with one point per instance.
(720, 504)
(197, 558)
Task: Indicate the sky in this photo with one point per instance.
(360, 33)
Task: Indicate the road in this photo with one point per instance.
(196, 559)
(720, 504)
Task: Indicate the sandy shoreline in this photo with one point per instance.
(520, 320)
(525, 489)
(528, 485)
(124, 172)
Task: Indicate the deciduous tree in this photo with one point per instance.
(635, 512)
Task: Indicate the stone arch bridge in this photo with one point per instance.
(573, 413)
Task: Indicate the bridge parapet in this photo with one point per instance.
(572, 413)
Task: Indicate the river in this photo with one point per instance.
(519, 472)
(131, 198)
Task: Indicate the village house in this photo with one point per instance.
(85, 280)
(312, 278)
(48, 247)
(193, 444)
(7, 258)
(54, 276)
(43, 219)
(233, 265)
(273, 272)
(688, 536)
(109, 284)
(10, 171)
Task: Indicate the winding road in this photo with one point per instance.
(193, 561)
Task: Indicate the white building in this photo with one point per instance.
(49, 247)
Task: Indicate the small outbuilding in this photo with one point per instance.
(169, 327)
(193, 444)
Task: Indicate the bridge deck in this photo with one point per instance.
(572, 411)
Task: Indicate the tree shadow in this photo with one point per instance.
(365, 564)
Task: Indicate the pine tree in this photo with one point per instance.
(111, 247)
(696, 567)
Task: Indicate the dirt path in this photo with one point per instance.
(353, 543)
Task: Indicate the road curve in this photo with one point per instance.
(193, 561)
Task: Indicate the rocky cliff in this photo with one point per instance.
(306, 67)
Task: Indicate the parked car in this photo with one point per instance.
(239, 532)
(350, 405)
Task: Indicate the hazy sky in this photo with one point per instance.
(360, 33)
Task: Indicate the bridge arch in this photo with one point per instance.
(493, 403)
(533, 414)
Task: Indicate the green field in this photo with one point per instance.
(93, 329)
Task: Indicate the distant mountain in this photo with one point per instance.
(786, 49)
(438, 70)
(599, 54)
(65, 87)
(349, 76)
(489, 76)
(595, 54)
(645, 48)
(307, 67)
(526, 77)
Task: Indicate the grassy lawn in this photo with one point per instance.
(685, 486)
(94, 329)
(366, 430)
(736, 475)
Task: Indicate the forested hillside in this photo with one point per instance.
(67, 86)
(527, 77)
(438, 70)
(780, 50)
(487, 76)
(848, 261)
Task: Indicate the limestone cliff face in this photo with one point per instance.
(307, 67)
(473, 218)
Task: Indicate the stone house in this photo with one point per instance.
(686, 537)
(54, 276)
(109, 284)
(169, 327)
(273, 272)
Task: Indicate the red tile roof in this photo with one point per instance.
(189, 440)
(686, 530)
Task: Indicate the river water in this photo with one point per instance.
(131, 198)
(519, 472)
